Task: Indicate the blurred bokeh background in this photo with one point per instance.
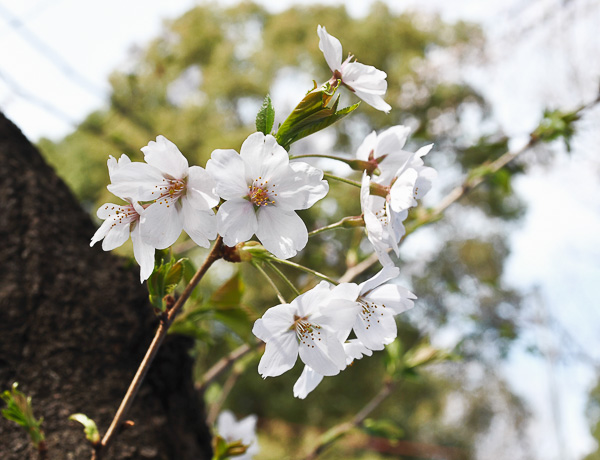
(508, 280)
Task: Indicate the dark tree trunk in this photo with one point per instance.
(75, 323)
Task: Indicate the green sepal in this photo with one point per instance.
(89, 427)
(164, 280)
(19, 410)
(312, 114)
(265, 116)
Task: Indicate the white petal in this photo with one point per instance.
(368, 83)
(376, 328)
(113, 164)
(260, 331)
(101, 232)
(165, 156)
(277, 320)
(392, 140)
(307, 382)
(384, 275)
(402, 192)
(281, 232)
(201, 226)
(280, 355)
(355, 349)
(264, 159)
(201, 189)
(366, 147)
(302, 188)
(115, 237)
(310, 302)
(229, 172)
(397, 298)
(236, 221)
(137, 181)
(331, 47)
(323, 352)
(338, 316)
(143, 253)
(424, 182)
(161, 224)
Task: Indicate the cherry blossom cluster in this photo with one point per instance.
(261, 188)
(257, 192)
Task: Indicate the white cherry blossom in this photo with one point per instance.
(309, 326)
(243, 430)
(263, 190)
(367, 82)
(121, 221)
(380, 302)
(181, 197)
(403, 179)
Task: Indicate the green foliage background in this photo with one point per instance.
(239, 54)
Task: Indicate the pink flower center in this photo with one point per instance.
(369, 312)
(261, 193)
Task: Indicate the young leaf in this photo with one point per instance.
(18, 409)
(89, 427)
(265, 116)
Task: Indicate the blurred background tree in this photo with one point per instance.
(201, 83)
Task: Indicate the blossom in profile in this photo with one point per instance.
(402, 179)
(180, 197)
(263, 190)
(242, 431)
(310, 326)
(367, 82)
(121, 221)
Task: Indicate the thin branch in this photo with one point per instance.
(224, 363)
(227, 387)
(214, 255)
(342, 179)
(342, 429)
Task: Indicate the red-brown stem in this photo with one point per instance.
(214, 255)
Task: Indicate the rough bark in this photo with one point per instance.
(74, 325)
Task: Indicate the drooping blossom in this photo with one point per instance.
(181, 197)
(121, 221)
(309, 326)
(243, 431)
(402, 180)
(367, 82)
(263, 190)
(310, 379)
(375, 325)
(380, 302)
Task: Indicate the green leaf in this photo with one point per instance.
(312, 114)
(228, 294)
(383, 428)
(164, 280)
(265, 116)
(236, 319)
(89, 427)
